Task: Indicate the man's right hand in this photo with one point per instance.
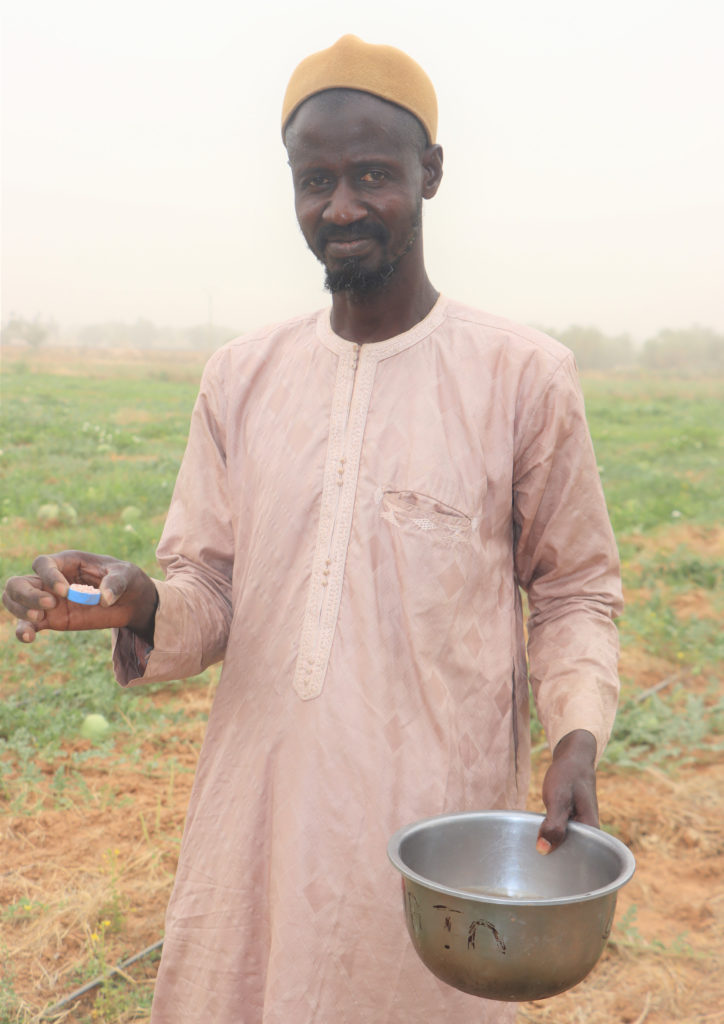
(128, 596)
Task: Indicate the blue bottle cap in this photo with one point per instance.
(83, 596)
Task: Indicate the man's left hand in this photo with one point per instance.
(569, 788)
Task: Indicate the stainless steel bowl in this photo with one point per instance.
(492, 917)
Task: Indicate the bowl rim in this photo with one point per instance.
(626, 859)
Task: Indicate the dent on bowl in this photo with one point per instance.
(489, 915)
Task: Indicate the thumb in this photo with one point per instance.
(113, 586)
(552, 831)
(25, 631)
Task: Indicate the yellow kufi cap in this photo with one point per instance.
(380, 70)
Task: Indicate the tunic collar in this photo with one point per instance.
(379, 350)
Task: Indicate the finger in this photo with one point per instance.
(558, 800)
(586, 808)
(551, 834)
(26, 592)
(35, 617)
(579, 805)
(114, 585)
(50, 575)
(25, 631)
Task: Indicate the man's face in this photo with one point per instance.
(359, 173)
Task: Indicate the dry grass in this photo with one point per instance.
(112, 857)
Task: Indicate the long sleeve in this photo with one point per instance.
(196, 553)
(567, 561)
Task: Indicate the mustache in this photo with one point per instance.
(351, 232)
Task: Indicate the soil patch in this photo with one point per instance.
(87, 874)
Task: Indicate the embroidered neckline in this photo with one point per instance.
(379, 350)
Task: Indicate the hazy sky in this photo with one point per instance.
(144, 174)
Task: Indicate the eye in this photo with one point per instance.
(373, 177)
(316, 181)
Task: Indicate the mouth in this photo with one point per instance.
(347, 248)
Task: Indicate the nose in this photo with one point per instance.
(343, 206)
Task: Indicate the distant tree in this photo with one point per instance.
(32, 332)
(144, 334)
(208, 336)
(595, 350)
(694, 349)
(114, 334)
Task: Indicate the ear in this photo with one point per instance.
(431, 171)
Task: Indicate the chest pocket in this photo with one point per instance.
(416, 513)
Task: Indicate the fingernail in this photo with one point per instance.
(543, 846)
(34, 615)
(27, 637)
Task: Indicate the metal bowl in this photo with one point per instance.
(489, 915)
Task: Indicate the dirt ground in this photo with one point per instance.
(102, 869)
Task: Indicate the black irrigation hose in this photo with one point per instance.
(118, 969)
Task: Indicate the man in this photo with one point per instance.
(362, 496)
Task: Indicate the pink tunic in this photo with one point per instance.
(348, 531)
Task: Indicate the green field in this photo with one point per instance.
(89, 460)
(91, 451)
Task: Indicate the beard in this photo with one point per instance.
(356, 280)
(359, 282)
